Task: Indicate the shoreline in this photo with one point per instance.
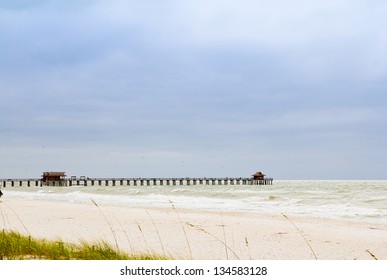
(361, 202)
(196, 234)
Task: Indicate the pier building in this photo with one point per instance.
(54, 179)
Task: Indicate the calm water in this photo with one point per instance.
(354, 200)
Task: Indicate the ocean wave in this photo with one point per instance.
(342, 199)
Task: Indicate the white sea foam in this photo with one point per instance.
(356, 200)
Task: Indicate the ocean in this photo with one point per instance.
(351, 200)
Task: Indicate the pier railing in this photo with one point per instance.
(86, 181)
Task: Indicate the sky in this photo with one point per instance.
(181, 88)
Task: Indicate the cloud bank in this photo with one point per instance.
(182, 88)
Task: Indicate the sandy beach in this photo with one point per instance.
(190, 234)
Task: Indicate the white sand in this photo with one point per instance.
(186, 234)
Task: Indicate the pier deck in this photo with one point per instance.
(85, 181)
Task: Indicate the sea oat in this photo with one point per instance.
(302, 235)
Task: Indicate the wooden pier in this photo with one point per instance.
(85, 181)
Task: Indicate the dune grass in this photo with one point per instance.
(14, 246)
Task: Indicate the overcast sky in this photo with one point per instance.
(140, 88)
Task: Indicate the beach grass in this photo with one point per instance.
(15, 246)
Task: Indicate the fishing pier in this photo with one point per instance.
(58, 179)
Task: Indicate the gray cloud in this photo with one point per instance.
(207, 88)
